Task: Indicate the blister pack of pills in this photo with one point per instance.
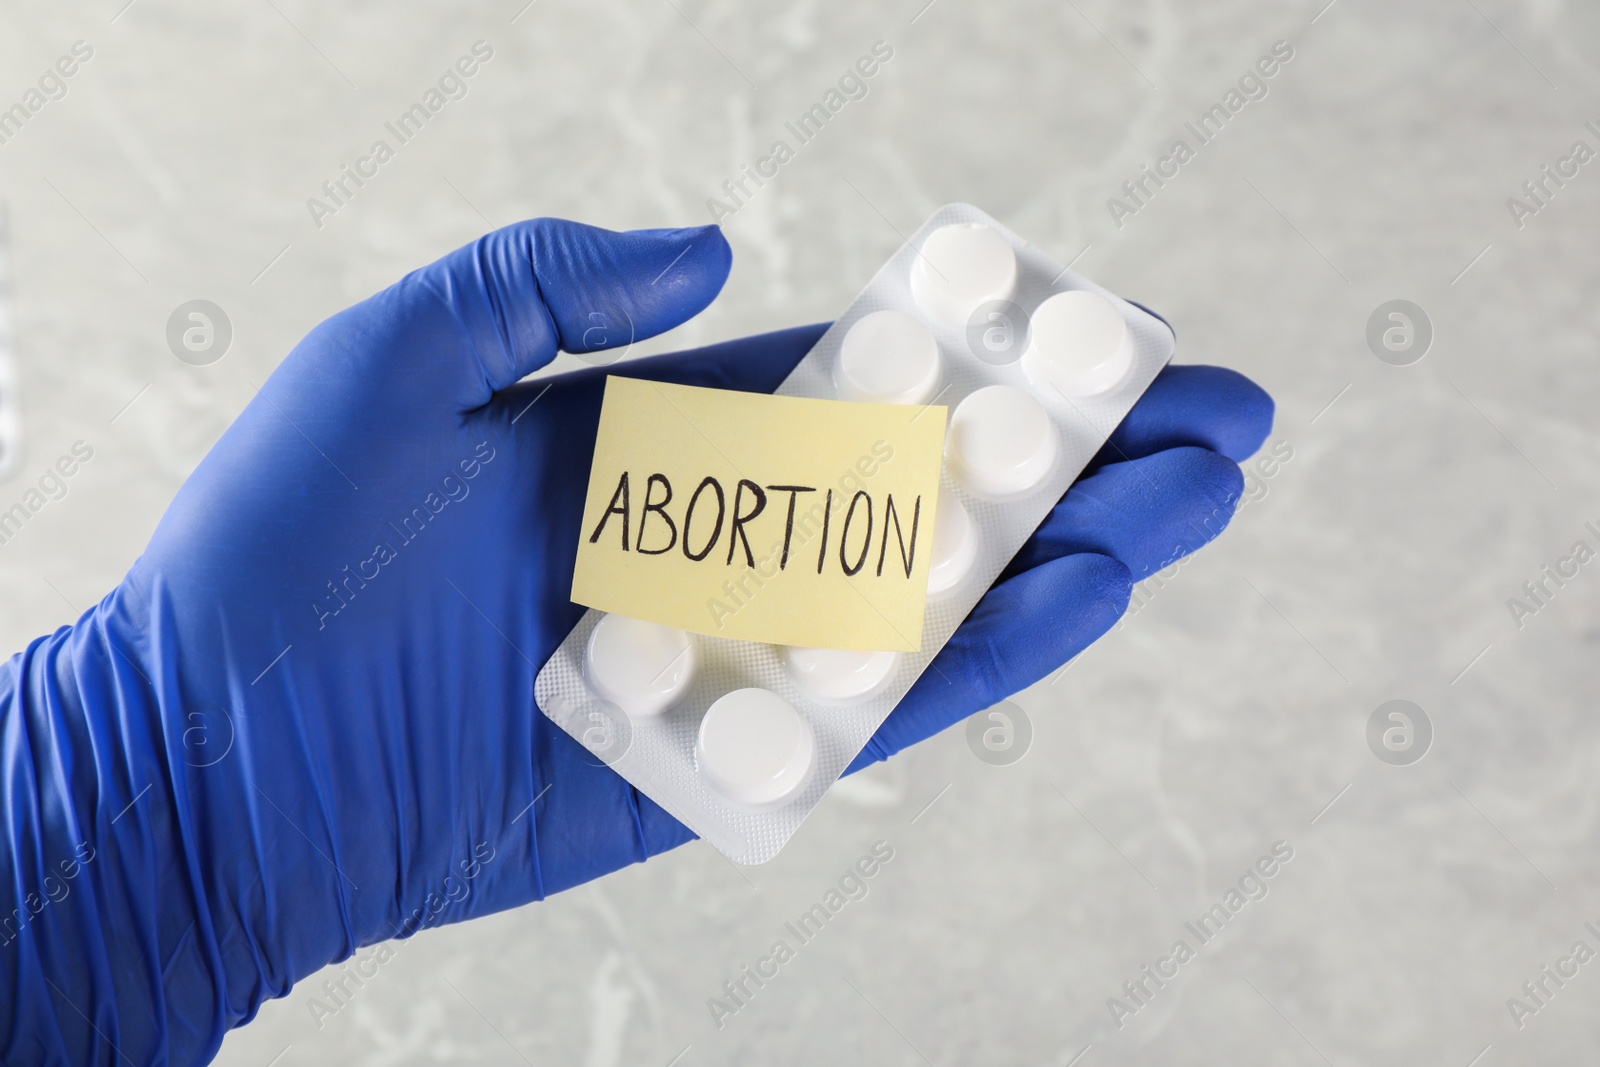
(1037, 366)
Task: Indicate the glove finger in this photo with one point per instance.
(1208, 407)
(572, 410)
(1021, 630)
(756, 364)
(498, 309)
(1068, 585)
(1146, 513)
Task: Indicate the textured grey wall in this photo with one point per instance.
(1228, 712)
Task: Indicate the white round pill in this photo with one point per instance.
(834, 676)
(1078, 343)
(955, 545)
(754, 748)
(961, 267)
(639, 666)
(888, 357)
(1001, 442)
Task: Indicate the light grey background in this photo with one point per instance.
(1230, 709)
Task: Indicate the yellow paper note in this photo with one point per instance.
(762, 518)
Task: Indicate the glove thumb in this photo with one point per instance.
(498, 309)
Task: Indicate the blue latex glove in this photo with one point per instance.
(304, 722)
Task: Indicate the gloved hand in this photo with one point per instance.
(304, 722)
